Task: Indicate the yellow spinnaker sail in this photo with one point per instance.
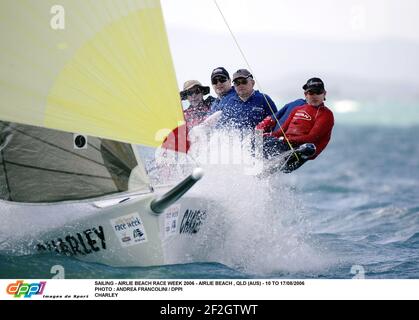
(97, 67)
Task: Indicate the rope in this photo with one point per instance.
(257, 82)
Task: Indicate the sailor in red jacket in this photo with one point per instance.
(308, 128)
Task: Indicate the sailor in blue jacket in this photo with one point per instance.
(247, 107)
(221, 83)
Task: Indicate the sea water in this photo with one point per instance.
(354, 210)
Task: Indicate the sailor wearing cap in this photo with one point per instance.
(221, 83)
(246, 107)
(309, 125)
(198, 109)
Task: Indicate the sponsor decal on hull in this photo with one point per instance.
(192, 221)
(78, 244)
(129, 229)
(171, 220)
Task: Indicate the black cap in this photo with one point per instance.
(220, 71)
(314, 83)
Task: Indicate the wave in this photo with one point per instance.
(413, 241)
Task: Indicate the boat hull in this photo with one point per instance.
(120, 231)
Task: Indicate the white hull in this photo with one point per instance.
(107, 231)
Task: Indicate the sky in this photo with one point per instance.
(359, 48)
(325, 18)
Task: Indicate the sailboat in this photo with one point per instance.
(83, 84)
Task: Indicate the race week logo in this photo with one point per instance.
(27, 290)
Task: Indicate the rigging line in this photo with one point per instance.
(257, 82)
(285, 162)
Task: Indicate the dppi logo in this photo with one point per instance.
(20, 288)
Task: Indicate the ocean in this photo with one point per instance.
(353, 212)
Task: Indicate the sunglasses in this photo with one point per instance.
(218, 79)
(193, 91)
(240, 81)
(312, 92)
